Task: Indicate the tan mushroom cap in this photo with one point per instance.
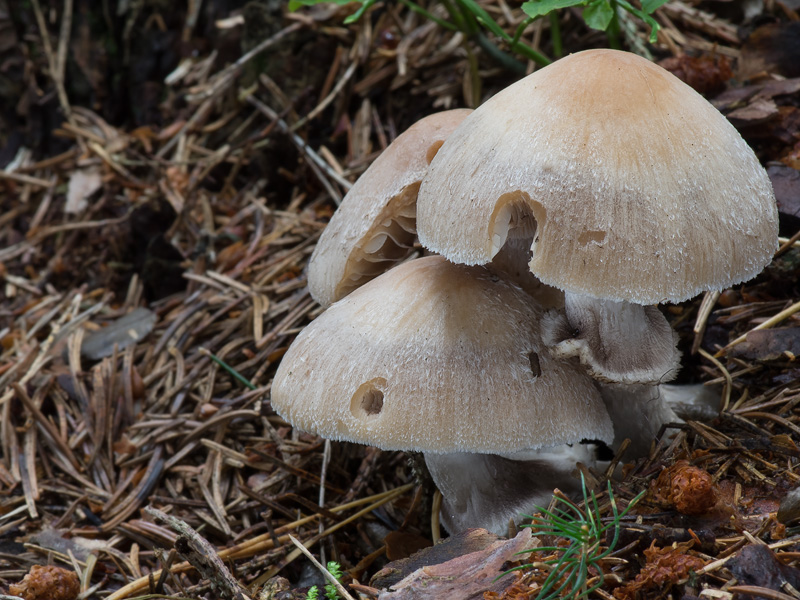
(436, 357)
(375, 225)
(636, 187)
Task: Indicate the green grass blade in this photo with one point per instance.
(429, 15)
(485, 19)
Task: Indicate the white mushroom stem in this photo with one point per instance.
(617, 342)
(640, 411)
(488, 490)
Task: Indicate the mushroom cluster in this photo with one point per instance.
(563, 210)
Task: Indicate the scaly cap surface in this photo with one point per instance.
(436, 357)
(636, 187)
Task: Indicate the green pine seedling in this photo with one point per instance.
(584, 531)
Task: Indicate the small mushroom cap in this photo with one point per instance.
(636, 187)
(436, 357)
(375, 225)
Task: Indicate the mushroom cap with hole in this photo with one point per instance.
(436, 357)
(630, 184)
(375, 225)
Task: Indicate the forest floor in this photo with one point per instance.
(165, 177)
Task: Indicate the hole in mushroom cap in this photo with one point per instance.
(433, 150)
(516, 215)
(368, 399)
(536, 368)
(598, 237)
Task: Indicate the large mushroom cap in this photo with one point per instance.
(436, 357)
(636, 187)
(375, 225)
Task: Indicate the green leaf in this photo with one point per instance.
(649, 6)
(485, 19)
(598, 15)
(365, 4)
(654, 27)
(651, 22)
(296, 4)
(357, 15)
(538, 8)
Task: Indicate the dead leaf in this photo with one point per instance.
(771, 49)
(789, 510)
(737, 97)
(758, 565)
(757, 111)
(706, 74)
(82, 184)
(769, 344)
(402, 544)
(786, 183)
(465, 542)
(123, 332)
(466, 577)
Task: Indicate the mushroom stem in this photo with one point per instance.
(617, 342)
(640, 411)
(488, 490)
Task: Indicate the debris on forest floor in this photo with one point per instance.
(153, 243)
(47, 583)
(453, 568)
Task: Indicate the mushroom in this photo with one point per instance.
(600, 333)
(441, 358)
(374, 227)
(632, 188)
(640, 411)
(488, 490)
